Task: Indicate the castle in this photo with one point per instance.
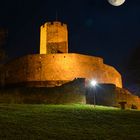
(54, 66)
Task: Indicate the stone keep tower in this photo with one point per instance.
(53, 38)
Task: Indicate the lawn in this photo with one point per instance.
(67, 122)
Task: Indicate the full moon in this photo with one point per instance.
(116, 2)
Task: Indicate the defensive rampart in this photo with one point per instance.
(60, 68)
(70, 93)
(110, 95)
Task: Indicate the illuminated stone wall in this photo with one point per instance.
(123, 95)
(70, 93)
(110, 95)
(60, 67)
(53, 38)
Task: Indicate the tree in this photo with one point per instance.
(3, 41)
(132, 71)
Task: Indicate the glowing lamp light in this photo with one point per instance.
(93, 83)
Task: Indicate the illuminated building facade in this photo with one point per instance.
(54, 66)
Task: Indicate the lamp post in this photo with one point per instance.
(94, 84)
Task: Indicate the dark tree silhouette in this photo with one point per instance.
(132, 71)
(3, 41)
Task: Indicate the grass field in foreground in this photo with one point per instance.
(67, 122)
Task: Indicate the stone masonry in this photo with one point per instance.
(55, 65)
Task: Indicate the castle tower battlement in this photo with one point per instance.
(56, 23)
(53, 38)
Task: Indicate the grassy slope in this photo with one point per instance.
(67, 122)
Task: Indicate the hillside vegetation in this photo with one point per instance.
(67, 122)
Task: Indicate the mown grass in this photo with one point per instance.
(67, 122)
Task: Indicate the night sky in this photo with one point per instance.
(95, 27)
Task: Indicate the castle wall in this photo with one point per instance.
(105, 94)
(53, 38)
(70, 93)
(110, 95)
(15, 71)
(60, 67)
(123, 95)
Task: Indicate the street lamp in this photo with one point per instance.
(94, 84)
